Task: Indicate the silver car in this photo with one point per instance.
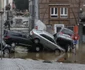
(45, 39)
(64, 38)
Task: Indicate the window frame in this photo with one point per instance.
(54, 13)
(65, 12)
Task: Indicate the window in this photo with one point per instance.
(18, 21)
(63, 12)
(54, 12)
(15, 34)
(47, 37)
(24, 36)
(67, 31)
(83, 30)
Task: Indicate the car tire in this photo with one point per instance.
(68, 48)
(6, 52)
(13, 45)
(36, 41)
(39, 48)
(57, 51)
(36, 48)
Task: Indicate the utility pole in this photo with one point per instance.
(33, 14)
(80, 24)
(1, 13)
(8, 9)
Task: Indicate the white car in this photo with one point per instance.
(44, 39)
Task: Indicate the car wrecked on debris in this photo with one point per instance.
(5, 48)
(64, 38)
(14, 38)
(44, 40)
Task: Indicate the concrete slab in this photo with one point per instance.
(28, 64)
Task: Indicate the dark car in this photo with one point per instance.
(5, 48)
(14, 38)
(64, 38)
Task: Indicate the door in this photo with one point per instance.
(57, 27)
(48, 41)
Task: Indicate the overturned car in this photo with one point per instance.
(64, 38)
(44, 40)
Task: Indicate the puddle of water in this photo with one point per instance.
(51, 56)
(36, 56)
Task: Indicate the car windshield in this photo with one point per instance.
(67, 31)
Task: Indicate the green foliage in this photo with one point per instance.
(21, 4)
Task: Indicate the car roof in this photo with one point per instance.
(15, 32)
(66, 29)
(43, 32)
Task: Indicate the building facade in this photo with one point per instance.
(1, 4)
(58, 12)
(65, 12)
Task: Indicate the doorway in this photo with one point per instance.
(57, 27)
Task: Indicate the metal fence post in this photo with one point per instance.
(1, 13)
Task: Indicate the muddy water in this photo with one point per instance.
(78, 57)
(63, 57)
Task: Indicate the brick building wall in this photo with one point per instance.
(1, 4)
(73, 11)
(43, 10)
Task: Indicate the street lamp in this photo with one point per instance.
(1, 13)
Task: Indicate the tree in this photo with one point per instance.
(21, 4)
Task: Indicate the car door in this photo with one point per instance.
(16, 37)
(48, 41)
(25, 40)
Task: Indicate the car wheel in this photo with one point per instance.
(13, 44)
(68, 48)
(36, 48)
(6, 52)
(36, 41)
(57, 51)
(39, 48)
